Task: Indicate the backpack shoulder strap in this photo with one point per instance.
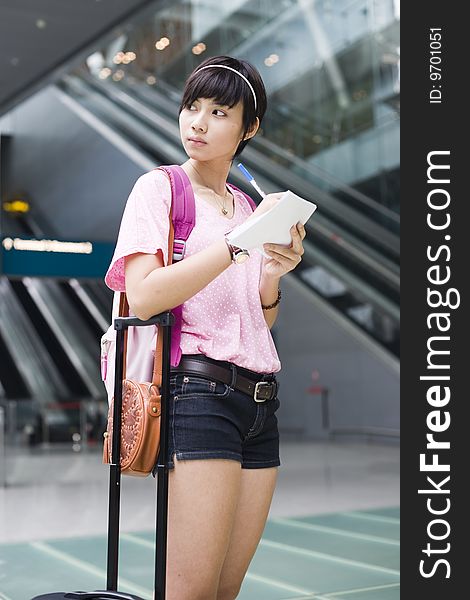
(183, 215)
(247, 198)
(183, 207)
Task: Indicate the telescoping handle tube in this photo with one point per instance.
(165, 320)
(162, 475)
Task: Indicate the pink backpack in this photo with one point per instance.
(141, 341)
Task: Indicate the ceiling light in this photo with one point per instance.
(105, 73)
(118, 75)
(162, 43)
(198, 48)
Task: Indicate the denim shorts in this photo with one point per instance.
(209, 419)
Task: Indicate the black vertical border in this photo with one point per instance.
(427, 127)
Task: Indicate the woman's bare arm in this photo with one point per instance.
(152, 288)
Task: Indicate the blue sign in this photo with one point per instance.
(23, 256)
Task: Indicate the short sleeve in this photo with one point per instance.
(145, 225)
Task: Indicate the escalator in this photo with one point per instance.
(12, 382)
(28, 299)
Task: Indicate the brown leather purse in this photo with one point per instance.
(141, 407)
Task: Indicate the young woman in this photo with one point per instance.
(224, 441)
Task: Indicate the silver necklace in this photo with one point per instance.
(222, 208)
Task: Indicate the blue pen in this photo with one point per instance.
(251, 179)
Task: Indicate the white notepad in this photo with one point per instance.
(273, 226)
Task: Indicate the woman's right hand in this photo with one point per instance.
(266, 204)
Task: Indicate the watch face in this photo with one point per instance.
(240, 258)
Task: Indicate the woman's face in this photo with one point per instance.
(219, 127)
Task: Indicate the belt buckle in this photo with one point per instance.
(257, 388)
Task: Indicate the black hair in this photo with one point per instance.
(228, 88)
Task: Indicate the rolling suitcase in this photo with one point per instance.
(165, 320)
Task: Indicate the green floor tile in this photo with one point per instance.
(26, 571)
(315, 574)
(136, 563)
(385, 593)
(309, 573)
(375, 554)
(290, 562)
(388, 531)
(253, 589)
(391, 511)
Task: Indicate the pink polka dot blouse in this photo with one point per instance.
(224, 320)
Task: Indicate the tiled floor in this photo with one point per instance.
(333, 530)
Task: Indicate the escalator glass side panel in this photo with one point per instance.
(58, 355)
(10, 378)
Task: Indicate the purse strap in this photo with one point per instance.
(157, 373)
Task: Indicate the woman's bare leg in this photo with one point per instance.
(256, 492)
(202, 502)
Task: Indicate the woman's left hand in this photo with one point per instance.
(284, 259)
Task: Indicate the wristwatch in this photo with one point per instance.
(239, 255)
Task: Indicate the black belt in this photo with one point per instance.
(262, 386)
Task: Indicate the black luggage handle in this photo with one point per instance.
(165, 320)
(98, 595)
